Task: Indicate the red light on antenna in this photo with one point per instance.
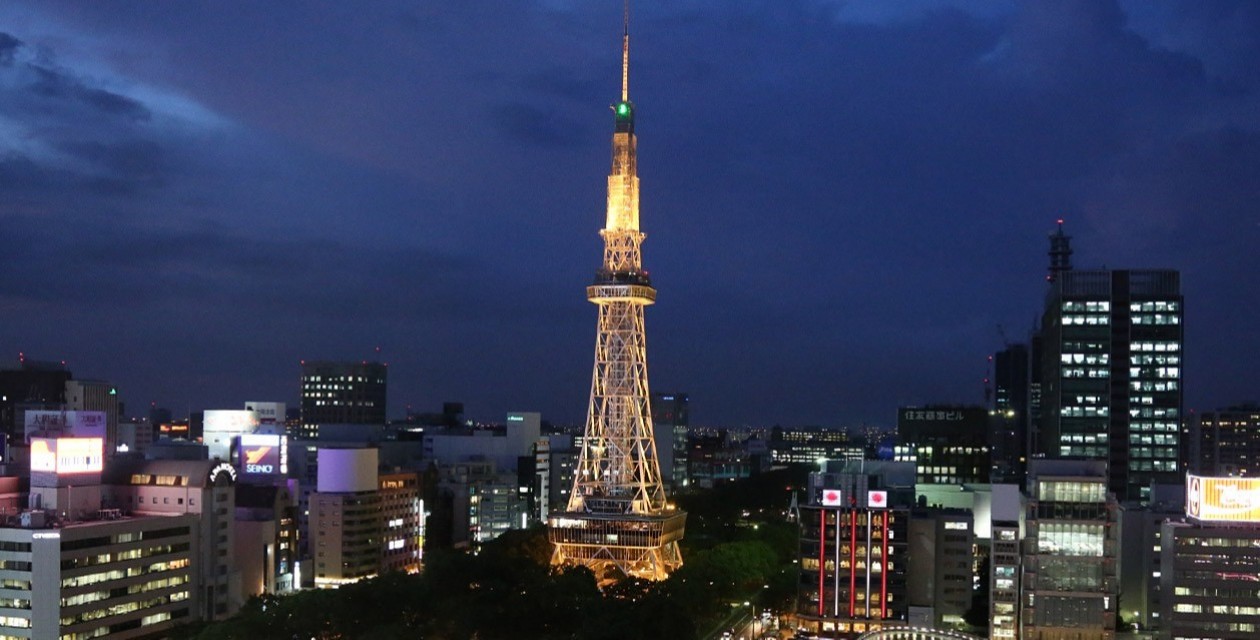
(1060, 220)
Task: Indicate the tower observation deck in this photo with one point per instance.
(617, 521)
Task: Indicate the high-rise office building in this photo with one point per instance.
(671, 418)
(1111, 375)
(1008, 419)
(617, 521)
(34, 383)
(341, 393)
(1226, 442)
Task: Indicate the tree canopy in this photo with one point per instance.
(507, 589)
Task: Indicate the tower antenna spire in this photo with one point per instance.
(618, 522)
(625, 55)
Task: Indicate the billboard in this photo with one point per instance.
(1223, 499)
(262, 454)
(272, 413)
(67, 456)
(230, 421)
(83, 424)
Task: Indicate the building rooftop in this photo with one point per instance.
(179, 473)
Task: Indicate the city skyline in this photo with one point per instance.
(844, 202)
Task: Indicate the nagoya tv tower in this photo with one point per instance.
(617, 521)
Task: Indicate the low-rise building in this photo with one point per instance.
(1069, 583)
(1006, 526)
(205, 489)
(1210, 580)
(942, 551)
(266, 551)
(853, 548)
(110, 575)
(363, 523)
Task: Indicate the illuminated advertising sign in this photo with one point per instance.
(220, 470)
(230, 421)
(67, 456)
(43, 455)
(178, 429)
(877, 499)
(264, 454)
(831, 498)
(83, 424)
(1223, 499)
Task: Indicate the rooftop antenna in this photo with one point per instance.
(1060, 253)
(625, 55)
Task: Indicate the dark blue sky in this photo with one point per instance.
(843, 200)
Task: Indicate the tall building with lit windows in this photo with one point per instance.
(1111, 365)
(854, 548)
(1211, 561)
(341, 393)
(1006, 520)
(1226, 442)
(1068, 582)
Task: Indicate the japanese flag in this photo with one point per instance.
(877, 499)
(831, 498)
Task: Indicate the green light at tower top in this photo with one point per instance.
(623, 109)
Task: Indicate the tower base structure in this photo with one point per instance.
(613, 546)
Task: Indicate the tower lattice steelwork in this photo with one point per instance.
(617, 521)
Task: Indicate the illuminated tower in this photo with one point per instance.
(617, 521)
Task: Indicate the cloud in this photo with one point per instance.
(842, 199)
(531, 124)
(141, 162)
(56, 85)
(8, 48)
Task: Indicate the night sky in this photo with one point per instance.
(846, 203)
